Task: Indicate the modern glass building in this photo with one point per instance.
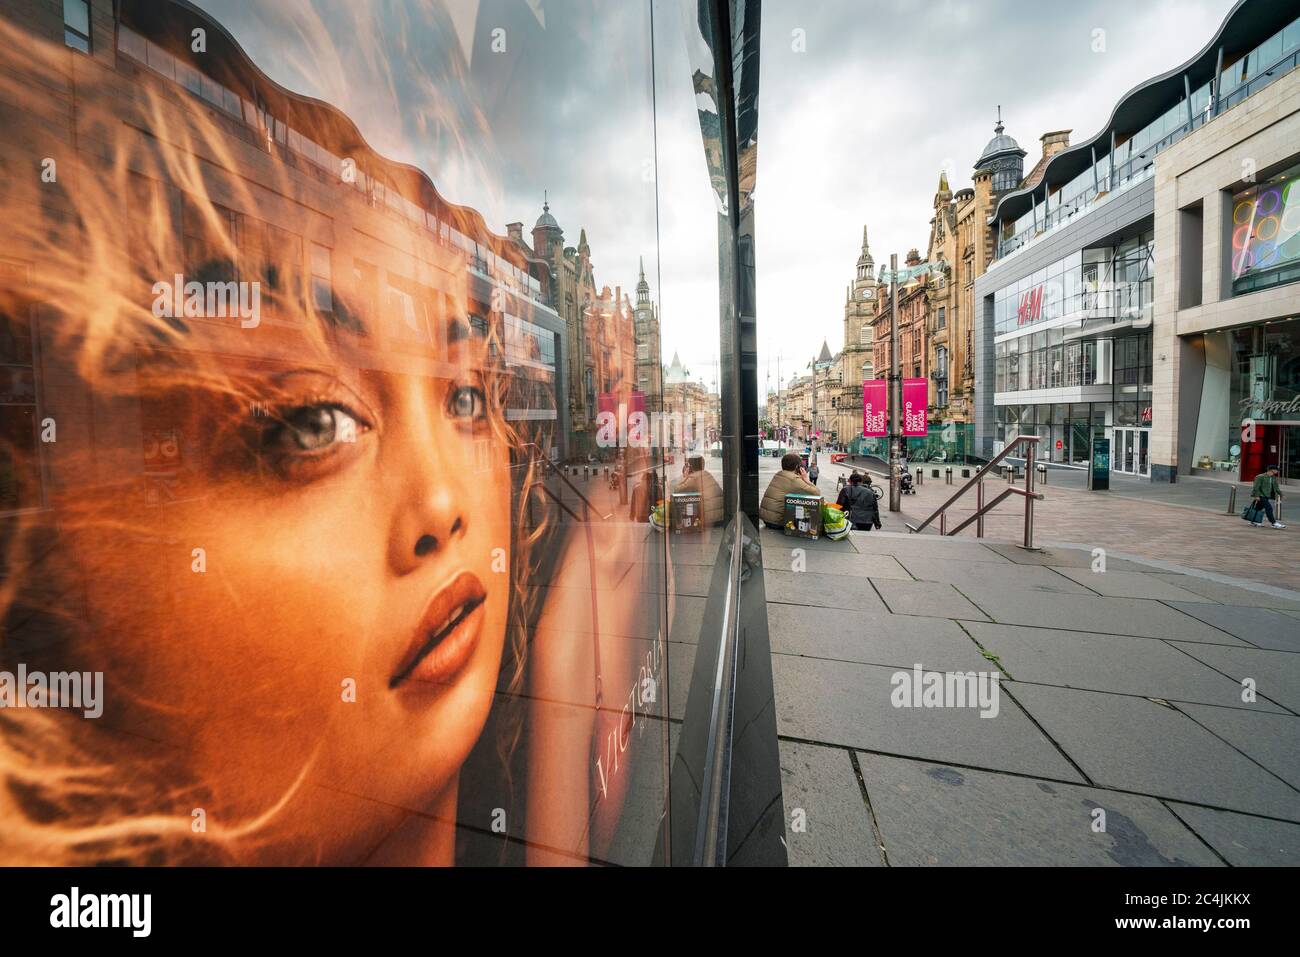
(1085, 328)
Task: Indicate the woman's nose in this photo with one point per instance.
(426, 523)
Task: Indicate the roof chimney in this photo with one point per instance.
(1055, 142)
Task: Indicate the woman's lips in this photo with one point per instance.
(447, 634)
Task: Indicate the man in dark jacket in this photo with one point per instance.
(859, 503)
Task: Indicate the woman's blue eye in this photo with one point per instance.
(467, 402)
(311, 428)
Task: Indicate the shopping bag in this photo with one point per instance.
(1252, 513)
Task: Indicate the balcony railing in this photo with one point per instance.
(1140, 167)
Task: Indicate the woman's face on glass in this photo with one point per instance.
(326, 595)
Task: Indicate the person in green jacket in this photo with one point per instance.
(1264, 491)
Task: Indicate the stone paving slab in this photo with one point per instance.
(933, 814)
(821, 590)
(694, 553)
(848, 704)
(1276, 673)
(830, 563)
(1229, 594)
(1058, 556)
(963, 573)
(927, 598)
(681, 665)
(1272, 740)
(1258, 626)
(826, 819)
(923, 546)
(1244, 840)
(773, 539)
(688, 619)
(1120, 583)
(1110, 616)
(692, 579)
(1138, 745)
(1136, 666)
(872, 638)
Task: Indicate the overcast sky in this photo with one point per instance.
(853, 128)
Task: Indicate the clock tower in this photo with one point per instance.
(856, 360)
(860, 305)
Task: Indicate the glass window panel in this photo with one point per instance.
(161, 60)
(1291, 37)
(211, 90)
(76, 14)
(188, 77)
(131, 43)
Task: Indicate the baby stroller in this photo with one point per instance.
(905, 483)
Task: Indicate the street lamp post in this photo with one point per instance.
(812, 431)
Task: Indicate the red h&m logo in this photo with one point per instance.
(1031, 306)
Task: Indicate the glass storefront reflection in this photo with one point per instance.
(352, 494)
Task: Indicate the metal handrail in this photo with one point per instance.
(981, 507)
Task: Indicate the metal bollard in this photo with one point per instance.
(1042, 474)
(920, 474)
(948, 474)
(1232, 500)
(586, 473)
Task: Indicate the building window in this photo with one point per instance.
(941, 376)
(943, 318)
(76, 24)
(322, 288)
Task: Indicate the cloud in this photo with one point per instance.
(854, 129)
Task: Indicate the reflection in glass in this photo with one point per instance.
(301, 462)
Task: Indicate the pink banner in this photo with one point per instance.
(874, 407)
(915, 395)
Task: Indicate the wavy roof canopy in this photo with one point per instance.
(1247, 25)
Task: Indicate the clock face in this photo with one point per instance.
(868, 293)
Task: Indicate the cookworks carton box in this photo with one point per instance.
(687, 512)
(803, 515)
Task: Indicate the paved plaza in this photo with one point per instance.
(1183, 523)
(1124, 733)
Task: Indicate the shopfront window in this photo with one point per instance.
(341, 407)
